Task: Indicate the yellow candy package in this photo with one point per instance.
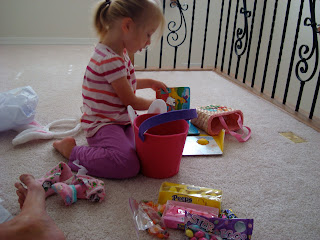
(190, 194)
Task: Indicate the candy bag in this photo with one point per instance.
(199, 227)
(146, 217)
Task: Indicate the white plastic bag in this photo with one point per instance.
(17, 107)
(5, 215)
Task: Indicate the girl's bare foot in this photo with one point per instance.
(65, 146)
(33, 215)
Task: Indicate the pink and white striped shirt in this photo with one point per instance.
(101, 105)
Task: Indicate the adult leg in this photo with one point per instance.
(110, 154)
(33, 222)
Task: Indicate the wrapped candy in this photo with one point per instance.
(146, 217)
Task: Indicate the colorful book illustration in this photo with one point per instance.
(204, 145)
(178, 98)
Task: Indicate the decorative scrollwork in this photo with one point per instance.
(173, 36)
(241, 47)
(305, 52)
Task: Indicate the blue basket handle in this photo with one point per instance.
(183, 114)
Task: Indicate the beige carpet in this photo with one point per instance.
(270, 179)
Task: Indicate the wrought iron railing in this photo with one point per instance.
(270, 46)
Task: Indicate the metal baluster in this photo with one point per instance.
(293, 53)
(205, 34)
(175, 57)
(281, 49)
(269, 45)
(191, 33)
(161, 43)
(218, 40)
(239, 46)
(226, 36)
(259, 44)
(146, 58)
(250, 40)
(305, 54)
(316, 92)
(233, 33)
(173, 32)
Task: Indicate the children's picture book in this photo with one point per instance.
(204, 145)
(178, 98)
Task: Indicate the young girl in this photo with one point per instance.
(109, 86)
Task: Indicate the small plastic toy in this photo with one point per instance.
(204, 145)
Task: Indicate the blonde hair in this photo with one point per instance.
(107, 12)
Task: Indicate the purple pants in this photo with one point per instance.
(110, 154)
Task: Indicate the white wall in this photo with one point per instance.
(42, 20)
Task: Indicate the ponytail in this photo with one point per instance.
(109, 11)
(101, 18)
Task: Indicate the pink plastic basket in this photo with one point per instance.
(160, 141)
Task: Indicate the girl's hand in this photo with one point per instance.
(156, 85)
(151, 83)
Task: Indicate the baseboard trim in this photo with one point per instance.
(50, 41)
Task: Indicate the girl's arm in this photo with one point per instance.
(127, 96)
(151, 83)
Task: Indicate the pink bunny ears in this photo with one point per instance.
(35, 131)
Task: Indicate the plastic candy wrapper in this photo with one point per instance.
(227, 213)
(199, 227)
(146, 217)
(174, 214)
(17, 107)
(190, 194)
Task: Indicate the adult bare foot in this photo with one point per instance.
(33, 222)
(65, 146)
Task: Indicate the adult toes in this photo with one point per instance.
(27, 179)
(20, 189)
